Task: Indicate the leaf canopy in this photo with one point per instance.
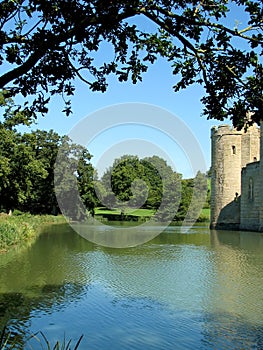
(46, 45)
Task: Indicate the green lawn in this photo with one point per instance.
(132, 212)
(205, 214)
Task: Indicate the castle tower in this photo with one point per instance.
(225, 177)
(231, 151)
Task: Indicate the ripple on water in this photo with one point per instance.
(179, 291)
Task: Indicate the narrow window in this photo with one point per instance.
(251, 189)
(234, 151)
(255, 159)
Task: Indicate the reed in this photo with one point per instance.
(8, 341)
(21, 229)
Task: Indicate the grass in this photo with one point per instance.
(132, 212)
(8, 341)
(205, 215)
(21, 229)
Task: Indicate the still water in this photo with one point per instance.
(195, 290)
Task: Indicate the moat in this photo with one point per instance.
(196, 290)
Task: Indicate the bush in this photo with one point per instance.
(22, 228)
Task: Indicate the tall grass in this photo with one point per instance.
(8, 341)
(21, 229)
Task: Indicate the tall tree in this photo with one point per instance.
(198, 196)
(21, 170)
(149, 182)
(85, 176)
(125, 171)
(45, 45)
(165, 187)
(27, 172)
(73, 180)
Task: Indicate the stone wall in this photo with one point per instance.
(226, 177)
(231, 151)
(251, 197)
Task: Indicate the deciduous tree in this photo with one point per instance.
(45, 45)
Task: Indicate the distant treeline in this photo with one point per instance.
(150, 183)
(27, 171)
(27, 162)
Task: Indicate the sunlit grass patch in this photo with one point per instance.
(133, 212)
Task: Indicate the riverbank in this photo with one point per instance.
(140, 215)
(23, 229)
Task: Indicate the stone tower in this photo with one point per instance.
(231, 151)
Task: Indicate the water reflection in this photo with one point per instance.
(198, 290)
(238, 287)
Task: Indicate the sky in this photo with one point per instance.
(155, 90)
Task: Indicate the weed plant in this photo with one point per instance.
(20, 229)
(8, 341)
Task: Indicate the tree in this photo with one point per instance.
(154, 180)
(186, 198)
(195, 196)
(125, 171)
(198, 197)
(165, 187)
(85, 176)
(149, 183)
(73, 180)
(27, 172)
(121, 185)
(21, 171)
(45, 45)
(44, 147)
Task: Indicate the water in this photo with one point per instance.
(198, 290)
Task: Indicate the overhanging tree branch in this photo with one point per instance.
(62, 37)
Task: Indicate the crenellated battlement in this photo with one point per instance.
(222, 129)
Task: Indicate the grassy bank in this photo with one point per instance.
(204, 216)
(22, 229)
(132, 212)
(115, 214)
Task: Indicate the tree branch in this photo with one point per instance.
(77, 71)
(22, 69)
(207, 24)
(183, 40)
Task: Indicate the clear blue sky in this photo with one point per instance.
(156, 89)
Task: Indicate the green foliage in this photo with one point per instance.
(217, 44)
(132, 182)
(8, 341)
(27, 171)
(194, 192)
(151, 184)
(22, 229)
(204, 216)
(74, 180)
(199, 195)
(125, 171)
